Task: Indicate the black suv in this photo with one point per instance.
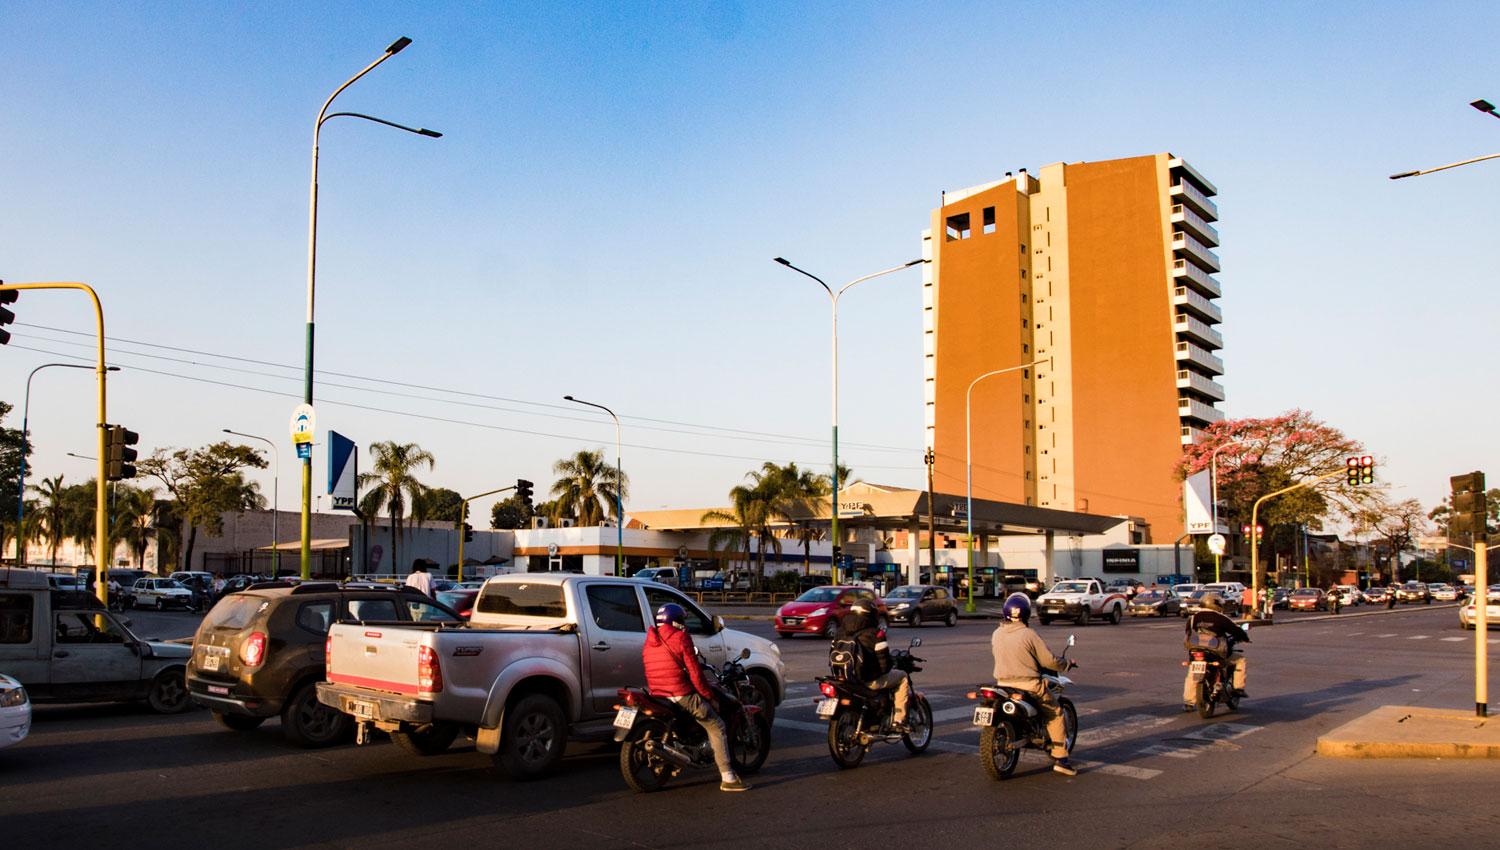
(260, 652)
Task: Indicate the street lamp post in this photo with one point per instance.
(25, 415)
(275, 499)
(619, 486)
(833, 297)
(969, 470)
(312, 268)
(1213, 481)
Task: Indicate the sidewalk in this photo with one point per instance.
(1396, 731)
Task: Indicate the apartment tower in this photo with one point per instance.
(1107, 269)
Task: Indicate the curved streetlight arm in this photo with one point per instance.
(785, 262)
(396, 47)
(1420, 172)
(877, 274)
(420, 131)
(619, 485)
(275, 497)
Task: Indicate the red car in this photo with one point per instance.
(1306, 599)
(460, 599)
(817, 611)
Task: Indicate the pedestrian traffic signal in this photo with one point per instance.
(7, 296)
(1470, 508)
(121, 455)
(1361, 470)
(523, 492)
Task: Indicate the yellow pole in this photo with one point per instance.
(1254, 538)
(101, 489)
(463, 511)
(1481, 628)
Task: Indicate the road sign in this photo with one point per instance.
(304, 451)
(343, 470)
(552, 549)
(304, 423)
(1216, 544)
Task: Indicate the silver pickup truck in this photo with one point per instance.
(541, 661)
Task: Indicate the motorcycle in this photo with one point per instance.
(1208, 665)
(1010, 721)
(660, 740)
(859, 717)
(1335, 601)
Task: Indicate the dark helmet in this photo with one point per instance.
(1212, 601)
(1017, 607)
(671, 614)
(863, 607)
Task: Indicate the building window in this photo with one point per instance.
(1023, 274)
(1025, 323)
(1023, 247)
(989, 220)
(958, 227)
(1025, 373)
(1023, 298)
(1026, 398)
(1025, 349)
(1026, 423)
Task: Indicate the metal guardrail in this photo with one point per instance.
(721, 597)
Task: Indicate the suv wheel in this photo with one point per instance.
(532, 738)
(309, 723)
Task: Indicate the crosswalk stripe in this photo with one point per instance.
(1454, 639)
(1390, 635)
(1082, 764)
(1418, 637)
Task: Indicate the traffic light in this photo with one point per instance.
(1260, 531)
(8, 296)
(121, 455)
(468, 533)
(1469, 506)
(523, 492)
(1361, 470)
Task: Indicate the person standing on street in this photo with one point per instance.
(419, 577)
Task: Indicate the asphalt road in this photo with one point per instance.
(1153, 777)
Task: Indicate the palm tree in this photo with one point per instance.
(369, 506)
(53, 513)
(796, 493)
(393, 479)
(754, 510)
(584, 481)
(132, 517)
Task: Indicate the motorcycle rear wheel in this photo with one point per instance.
(1205, 701)
(999, 750)
(749, 743)
(643, 772)
(919, 718)
(843, 740)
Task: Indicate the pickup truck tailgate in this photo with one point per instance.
(375, 657)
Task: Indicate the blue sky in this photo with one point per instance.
(600, 216)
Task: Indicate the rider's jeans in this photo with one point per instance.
(895, 679)
(1190, 688)
(702, 712)
(1051, 712)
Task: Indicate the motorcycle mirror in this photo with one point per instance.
(1071, 640)
(744, 653)
(916, 642)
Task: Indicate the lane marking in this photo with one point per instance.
(1199, 741)
(1418, 637)
(1453, 639)
(1036, 756)
(1391, 635)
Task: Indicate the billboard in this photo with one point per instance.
(343, 470)
(1197, 501)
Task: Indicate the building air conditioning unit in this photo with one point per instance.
(606, 523)
(538, 522)
(566, 522)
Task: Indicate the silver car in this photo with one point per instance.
(160, 593)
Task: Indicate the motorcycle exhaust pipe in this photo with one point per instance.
(669, 752)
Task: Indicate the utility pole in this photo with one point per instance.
(931, 459)
(1470, 514)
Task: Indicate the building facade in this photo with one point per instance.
(1105, 271)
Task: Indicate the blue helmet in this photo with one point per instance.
(1017, 607)
(671, 614)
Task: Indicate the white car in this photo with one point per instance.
(1443, 592)
(15, 712)
(160, 593)
(1351, 594)
(1491, 612)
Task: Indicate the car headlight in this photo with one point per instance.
(901, 605)
(818, 613)
(12, 697)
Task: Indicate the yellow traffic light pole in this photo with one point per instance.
(1255, 580)
(101, 503)
(1481, 627)
(463, 512)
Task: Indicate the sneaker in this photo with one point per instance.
(1187, 706)
(1064, 767)
(1241, 693)
(737, 784)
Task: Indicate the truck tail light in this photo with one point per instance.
(253, 650)
(429, 671)
(327, 650)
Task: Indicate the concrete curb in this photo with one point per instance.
(1381, 613)
(1396, 731)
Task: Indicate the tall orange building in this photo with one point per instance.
(1107, 269)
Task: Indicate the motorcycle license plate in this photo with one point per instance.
(827, 707)
(1199, 669)
(210, 662)
(984, 715)
(625, 718)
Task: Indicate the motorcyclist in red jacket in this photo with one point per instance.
(672, 671)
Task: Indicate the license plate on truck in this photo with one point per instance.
(625, 718)
(984, 715)
(827, 707)
(360, 708)
(1199, 669)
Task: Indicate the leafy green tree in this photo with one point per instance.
(13, 447)
(585, 488)
(510, 512)
(206, 483)
(394, 479)
(52, 513)
(444, 505)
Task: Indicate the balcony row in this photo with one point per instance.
(1189, 248)
(1185, 273)
(1193, 382)
(1205, 361)
(1192, 434)
(1197, 331)
(1181, 169)
(1191, 302)
(1197, 411)
(1186, 219)
(1187, 194)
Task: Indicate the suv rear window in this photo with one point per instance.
(523, 599)
(234, 612)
